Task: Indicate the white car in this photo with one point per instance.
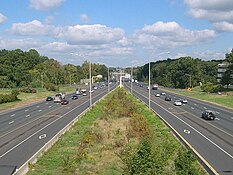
(163, 93)
(184, 101)
(157, 95)
(178, 103)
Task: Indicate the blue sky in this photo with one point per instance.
(118, 33)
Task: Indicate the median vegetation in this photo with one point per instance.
(118, 136)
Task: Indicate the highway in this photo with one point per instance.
(211, 141)
(26, 130)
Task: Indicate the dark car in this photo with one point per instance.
(64, 102)
(141, 85)
(208, 115)
(49, 99)
(168, 99)
(74, 97)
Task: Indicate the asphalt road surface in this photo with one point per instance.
(211, 140)
(25, 130)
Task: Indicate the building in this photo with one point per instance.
(221, 69)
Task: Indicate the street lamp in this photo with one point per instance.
(190, 80)
(149, 75)
(90, 79)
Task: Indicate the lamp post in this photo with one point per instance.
(90, 79)
(108, 80)
(131, 82)
(190, 80)
(149, 75)
(42, 80)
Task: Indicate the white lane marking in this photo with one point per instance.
(44, 127)
(28, 115)
(231, 156)
(187, 131)
(50, 106)
(46, 103)
(38, 106)
(39, 110)
(217, 112)
(12, 115)
(170, 108)
(11, 122)
(217, 118)
(195, 104)
(205, 107)
(42, 136)
(26, 110)
(192, 107)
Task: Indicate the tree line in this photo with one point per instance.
(29, 69)
(185, 72)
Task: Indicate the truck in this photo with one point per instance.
(59, 97)
(155, 86)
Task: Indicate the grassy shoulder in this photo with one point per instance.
(118, 136)
(28, 98)
(223, 100)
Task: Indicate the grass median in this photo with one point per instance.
(118, 136)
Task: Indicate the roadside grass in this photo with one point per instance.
(119, 135)
(223, 100)
(28, 98)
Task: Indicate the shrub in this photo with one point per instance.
(5, 98)
(184, 164)
(210, 87)
(51, 87)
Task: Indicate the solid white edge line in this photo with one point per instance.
(184, 140)
(72, 122)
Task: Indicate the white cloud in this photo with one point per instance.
(45, 4)
(84, 18)
(2, 18)
(224, 26)
(34, 27)
(219, 5)
(91, 34)
(24, 44)
(170, 35)
(215, 11)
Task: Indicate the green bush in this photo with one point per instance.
(184, 164)
(28, 90)
(210, 87)
(51, 87)
(5, 98)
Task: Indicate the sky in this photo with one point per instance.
(119, 33)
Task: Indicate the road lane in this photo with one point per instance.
(208, 138)
(18, 143)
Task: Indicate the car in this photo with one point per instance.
(184, 101)
(157, 95)
(78, 92)
(91, 91)
(163, 93)
(208, 115)
(141, 85)
(74, 97)
(49, 99)
(64, 102)
(177, 103)
(85, 94)
(168, 98)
